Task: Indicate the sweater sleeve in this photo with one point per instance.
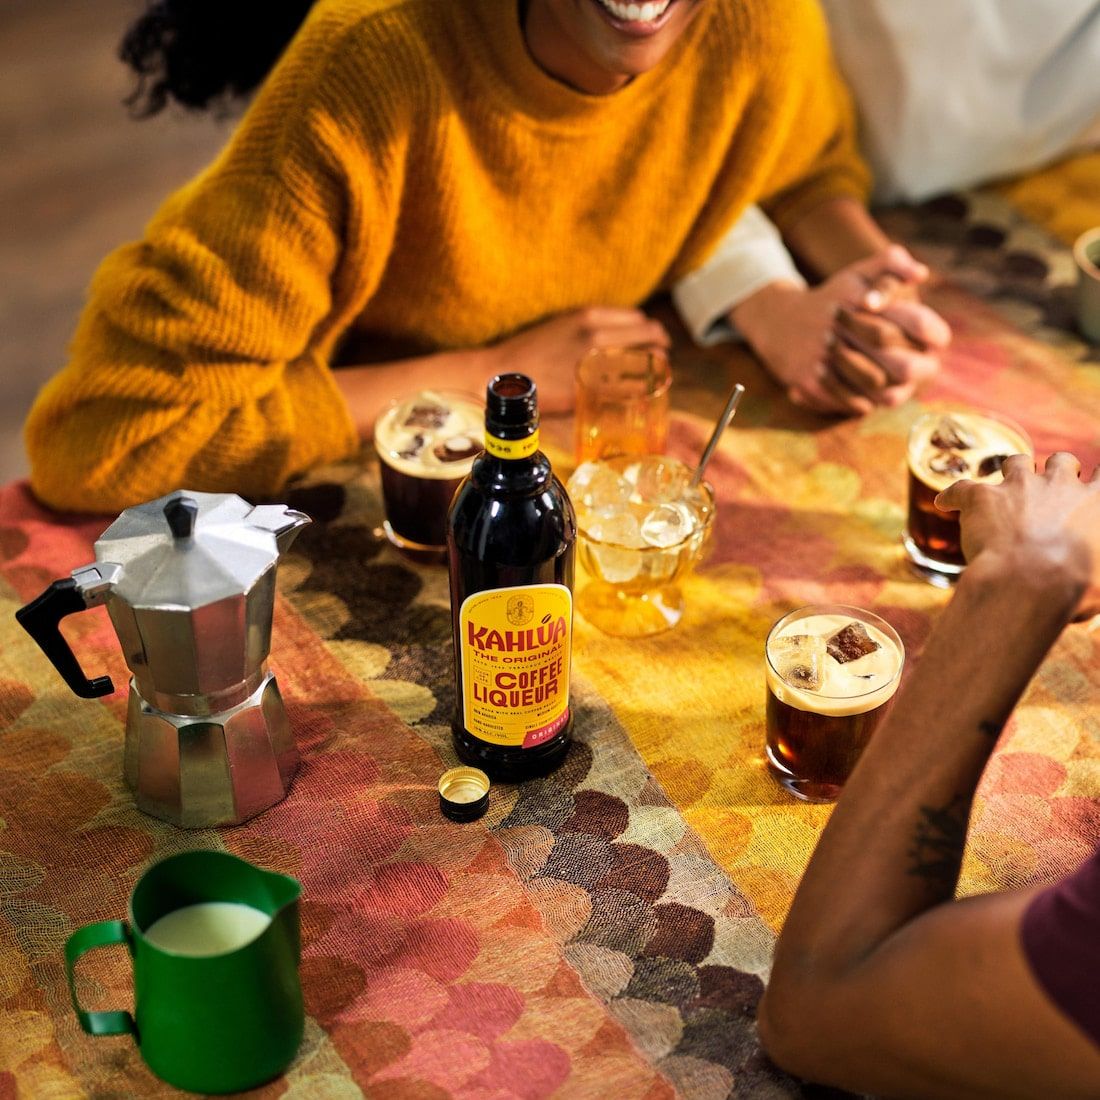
(813, 125)
(200, 360)
(192, 365)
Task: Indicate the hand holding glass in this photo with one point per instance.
(945, 447)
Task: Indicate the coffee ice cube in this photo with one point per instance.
(457, 448)
(427, 416)
(850, 643)
(947, 462)
(950, 435)
(667, 525)
(800, 660)
(411, 446)
(991, 465)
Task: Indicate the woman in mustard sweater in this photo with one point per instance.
(430, 191)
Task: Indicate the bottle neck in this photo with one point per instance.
(512, 432)
(506, 442)
(511, 477)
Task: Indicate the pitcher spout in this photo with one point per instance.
(282, 889)
(284, 523)
(294, 521)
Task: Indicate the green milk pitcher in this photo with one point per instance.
(204, 1021)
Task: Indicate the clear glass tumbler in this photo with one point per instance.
(622, 403)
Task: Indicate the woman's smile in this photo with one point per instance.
(636, 19)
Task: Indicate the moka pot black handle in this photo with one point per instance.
(41, 619)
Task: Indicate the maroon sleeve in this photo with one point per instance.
(1061, 938)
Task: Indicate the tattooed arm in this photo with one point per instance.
(882, 982)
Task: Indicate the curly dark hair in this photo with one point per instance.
(206, 53)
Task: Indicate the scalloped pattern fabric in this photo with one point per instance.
(606, 931)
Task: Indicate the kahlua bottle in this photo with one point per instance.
(511, 534)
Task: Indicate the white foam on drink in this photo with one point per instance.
(209, 928)
(989, 438)
(849, 688)
(465, 417)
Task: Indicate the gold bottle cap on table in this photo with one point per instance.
(463, 794)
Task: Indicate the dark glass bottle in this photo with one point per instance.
(511, 533)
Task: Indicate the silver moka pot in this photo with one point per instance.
(189, 583)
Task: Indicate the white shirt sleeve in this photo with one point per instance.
(955, 92)
(748, 257)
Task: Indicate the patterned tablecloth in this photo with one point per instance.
(605, 932)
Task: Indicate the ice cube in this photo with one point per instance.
(427, 416)
(411, 446)
(620, 528)
(616, 566)
(947, 462)
(951, 435)
(597, 487)
(659, 480)
(850, 643)
(668, 524)
(991, 465)
(582, 475)
(456, 448)
(800, 660)
(697, 499)
(615, 542)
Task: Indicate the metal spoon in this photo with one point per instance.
(723, 423)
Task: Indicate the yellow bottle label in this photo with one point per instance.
(512, 448)
(515, 648)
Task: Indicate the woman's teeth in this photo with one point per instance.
(637, 13)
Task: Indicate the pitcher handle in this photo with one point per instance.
(41, 618)
(103, 933)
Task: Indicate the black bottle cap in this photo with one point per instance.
(463, 794)
(511, 406)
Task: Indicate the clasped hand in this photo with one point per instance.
(860, 339)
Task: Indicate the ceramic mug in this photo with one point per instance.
(215, 945)
(1086, 251)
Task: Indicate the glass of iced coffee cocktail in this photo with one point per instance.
(426, 445)
(945, 447)
(641, 526)
(832, 671)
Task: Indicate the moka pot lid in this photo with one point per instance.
(189, 549)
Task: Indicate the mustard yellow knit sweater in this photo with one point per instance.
(409, 176)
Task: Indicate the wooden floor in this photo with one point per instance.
(78, 176)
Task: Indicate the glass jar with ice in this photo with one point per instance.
(642, 525)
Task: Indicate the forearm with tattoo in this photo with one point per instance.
(939, 836)
(910, 992)
(897, 837)
(938, 841)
